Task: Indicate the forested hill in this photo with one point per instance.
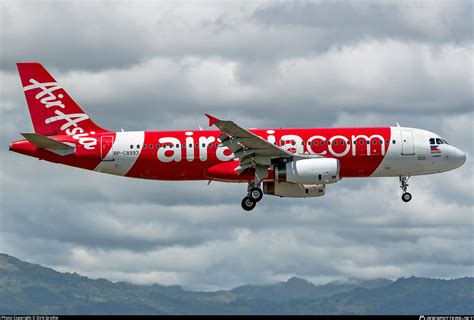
(27, 288)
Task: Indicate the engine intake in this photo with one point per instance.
(308, 171)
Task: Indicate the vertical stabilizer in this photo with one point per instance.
(52, 110)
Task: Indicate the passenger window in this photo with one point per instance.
(177, 146)
(387, 142)
(361, 142)
(368, 142)
(138, 146)
(190, 145)
(432, 141)
(393, 141)
(374, 141)
(164, 146)
(315, 143)
(151, 146)
(157, 146)
(322, 143)
(335, 142)
(131, 146)
(203, 145)
(144, 146)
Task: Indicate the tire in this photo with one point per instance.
(248, 204)
(256, 194)
(406, 197)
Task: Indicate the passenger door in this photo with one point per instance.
(408, 146)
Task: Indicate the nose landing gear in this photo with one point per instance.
(406, 196)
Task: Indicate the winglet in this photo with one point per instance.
(212, 120)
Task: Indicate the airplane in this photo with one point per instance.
(274, 161)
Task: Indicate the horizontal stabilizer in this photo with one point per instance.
(57, 147)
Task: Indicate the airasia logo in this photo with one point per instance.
(293, 143)
(71, 126)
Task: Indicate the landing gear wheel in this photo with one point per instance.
(256, 194)
(406, 196)
(248, 204)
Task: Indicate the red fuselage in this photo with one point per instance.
(198, 155)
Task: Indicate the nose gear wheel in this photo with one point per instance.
(406, 196)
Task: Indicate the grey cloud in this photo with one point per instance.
(172, 94)
(342, 22)
(99, 36)
(63, 34)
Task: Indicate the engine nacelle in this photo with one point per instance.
(292, 190)
(308, 171)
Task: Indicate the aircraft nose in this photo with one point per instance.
(460, 157)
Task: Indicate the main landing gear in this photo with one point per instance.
(406, 196)
(254, 195)
(254, 190)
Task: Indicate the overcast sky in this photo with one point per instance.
(156, 66)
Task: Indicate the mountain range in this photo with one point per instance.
(27, 288)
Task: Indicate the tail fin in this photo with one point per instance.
(52, 110)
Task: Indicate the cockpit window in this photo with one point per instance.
(437, 141)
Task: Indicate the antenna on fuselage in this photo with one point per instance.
(398, 125)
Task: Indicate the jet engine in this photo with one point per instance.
(308, 171)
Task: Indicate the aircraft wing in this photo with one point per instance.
(249, 148)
